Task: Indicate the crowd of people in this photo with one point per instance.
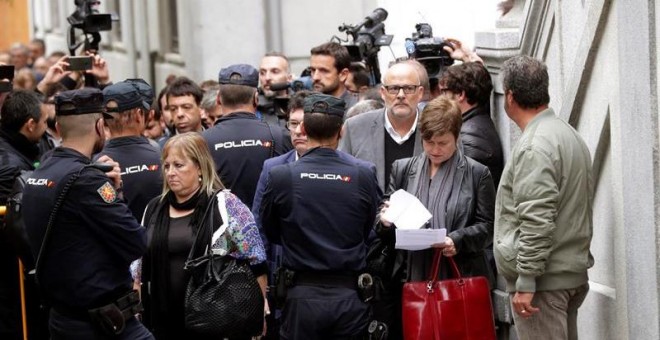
(120, 180)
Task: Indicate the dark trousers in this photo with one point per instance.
(388, 309)
(312, 312)
(62, 327)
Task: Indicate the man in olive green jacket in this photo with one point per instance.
(543, 222)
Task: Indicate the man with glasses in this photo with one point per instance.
(385, 135)
(274, 252)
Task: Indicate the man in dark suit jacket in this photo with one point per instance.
(388, 134)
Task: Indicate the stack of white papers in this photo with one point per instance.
(409, 215)
(419, 239)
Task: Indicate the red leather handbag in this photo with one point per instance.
(454, 309)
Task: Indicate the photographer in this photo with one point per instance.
(274, 69)
(357, 82)
(61, 73)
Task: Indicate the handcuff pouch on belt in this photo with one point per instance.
(283, 281)
(111, 318)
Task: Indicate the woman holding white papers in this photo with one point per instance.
(457, 190)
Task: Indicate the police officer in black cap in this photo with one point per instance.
(239, 142)
(139, 161)
(83, 256)
(321, 209)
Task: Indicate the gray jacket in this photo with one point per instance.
(364, 138)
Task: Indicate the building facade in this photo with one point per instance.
(602, 56)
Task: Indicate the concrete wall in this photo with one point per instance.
(602, 57)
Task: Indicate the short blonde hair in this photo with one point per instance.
(193, 146)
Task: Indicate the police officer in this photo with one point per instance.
(239, 142)
(321, 209)
(139, 160)
(84, 256)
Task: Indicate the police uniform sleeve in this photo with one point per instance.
(256, 203)
(108, 217)
(268, 213)
(372, 194)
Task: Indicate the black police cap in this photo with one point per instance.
(79, 102)
(125, 95)
(323, 103)
(146, 91)
(239, 74)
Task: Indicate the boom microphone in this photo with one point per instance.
(279, 86)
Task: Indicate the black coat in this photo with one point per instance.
(481, 141)
(17, 151)
(469, 217)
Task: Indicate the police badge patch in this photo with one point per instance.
(107, 193)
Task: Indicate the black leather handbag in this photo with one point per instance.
(223, 298)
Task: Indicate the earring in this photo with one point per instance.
(199, 179)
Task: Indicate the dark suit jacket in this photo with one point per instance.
(364, 138)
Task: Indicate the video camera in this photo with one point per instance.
(428, 50)
(278, 105)
(87, 18)
(367, 38)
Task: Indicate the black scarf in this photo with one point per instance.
(158, 257)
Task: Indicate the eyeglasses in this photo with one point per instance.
(292, 125)
(394, 89)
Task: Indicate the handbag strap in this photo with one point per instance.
(435, 266)
(207, 223)
(454, 267)
(222, 207)
(437, 255)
